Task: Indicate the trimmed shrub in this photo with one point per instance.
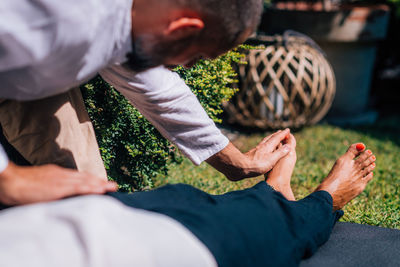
(133, 151)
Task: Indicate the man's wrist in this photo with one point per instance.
(232, 163)
(243, 166)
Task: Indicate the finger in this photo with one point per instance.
(85, 189)
(111, 186)
(92, 180)
(86, 186)
(87, 176)
(269, 137)
(101, 185)
(107, 186)
(278, 137)
(279, 146)
(278, 154)
(289, 139)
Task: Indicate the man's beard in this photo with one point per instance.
(139, 59)
(156, 53)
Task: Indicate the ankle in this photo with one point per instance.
(279, 186)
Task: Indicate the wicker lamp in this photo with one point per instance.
(289, 83)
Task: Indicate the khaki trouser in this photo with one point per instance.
(53, 130)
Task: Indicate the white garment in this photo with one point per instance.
(47, 47)
(3, 159)
(96, 231)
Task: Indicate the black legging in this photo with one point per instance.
(251, 227)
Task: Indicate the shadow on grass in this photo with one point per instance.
(386, 128)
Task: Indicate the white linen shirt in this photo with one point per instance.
(47, 47)
(96, 231)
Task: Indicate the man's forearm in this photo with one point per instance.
(168, 103)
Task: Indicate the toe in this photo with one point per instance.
(363, 156)
(360, 147)
(292, 140)
(369, 177)
(368, 161)
(369, 169)
(355, 150)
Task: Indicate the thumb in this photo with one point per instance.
(278, 154)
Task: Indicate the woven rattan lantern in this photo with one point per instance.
(289, 83)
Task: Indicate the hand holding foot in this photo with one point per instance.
(258, 161)
(349, 175)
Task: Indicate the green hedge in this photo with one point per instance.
(133, 151)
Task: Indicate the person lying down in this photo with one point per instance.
(178, 225)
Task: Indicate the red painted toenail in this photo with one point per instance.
(369, 151)
(373, 158)
(360, 146)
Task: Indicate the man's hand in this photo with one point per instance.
(23, 185)
(258, 161)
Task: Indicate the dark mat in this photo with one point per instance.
(358, 245)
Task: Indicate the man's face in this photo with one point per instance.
(150, 51)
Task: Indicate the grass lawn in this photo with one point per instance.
(317, 149)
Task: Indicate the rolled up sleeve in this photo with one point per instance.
(168, 103)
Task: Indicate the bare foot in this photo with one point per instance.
(279, 177)
(349, 175)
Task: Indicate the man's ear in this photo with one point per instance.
(184, 27)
